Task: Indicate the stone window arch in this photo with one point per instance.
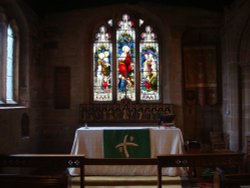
(126, 61)
(13, 58)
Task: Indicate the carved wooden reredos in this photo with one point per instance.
(123, 111)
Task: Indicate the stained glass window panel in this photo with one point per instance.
(125, 52)
(126, 65)
(102, 69)
(149, 66)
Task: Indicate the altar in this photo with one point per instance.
(89, 141)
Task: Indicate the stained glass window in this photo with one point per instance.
(149, 66)
(103, 82)
(125, 52)
(134, 72)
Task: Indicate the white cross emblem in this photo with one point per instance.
(124, 145)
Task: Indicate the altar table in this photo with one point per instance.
(89, 141)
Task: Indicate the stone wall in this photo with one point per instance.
(235, 68)
(64, 39)
(67, 41)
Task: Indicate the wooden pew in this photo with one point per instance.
(232, 180)
(199, 160)
(39, 170)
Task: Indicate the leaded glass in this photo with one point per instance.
(110, 22)
(125, 51)
(149, 66)
(141, 22)
(134, 72)
(102, 69)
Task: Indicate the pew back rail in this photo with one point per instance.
(42, 161)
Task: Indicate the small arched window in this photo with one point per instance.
(126, 61)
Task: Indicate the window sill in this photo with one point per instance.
(12, 107)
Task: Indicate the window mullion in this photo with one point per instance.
(137, 65)
(114, 75)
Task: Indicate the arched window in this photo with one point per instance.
(8, 61)
(126, 61)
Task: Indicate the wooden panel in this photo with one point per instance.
(62, 87)
(200, 90)
(200, 67)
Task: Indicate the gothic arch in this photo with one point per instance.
(15, 11)
(237, 59)
(244, 67)
(104, 13)
(161, 29)
(244, 44)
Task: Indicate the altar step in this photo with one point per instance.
(147, 181)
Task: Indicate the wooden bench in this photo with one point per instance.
(232, 180)
(39, 170)
(199, 160)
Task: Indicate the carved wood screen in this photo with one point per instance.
(124, 111)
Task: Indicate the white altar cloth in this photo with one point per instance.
(89, 141)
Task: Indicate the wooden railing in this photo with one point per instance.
(43, 164)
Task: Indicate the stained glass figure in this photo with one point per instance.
(128, 74)
(102, 66)
(125, 52)
(149, 66)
